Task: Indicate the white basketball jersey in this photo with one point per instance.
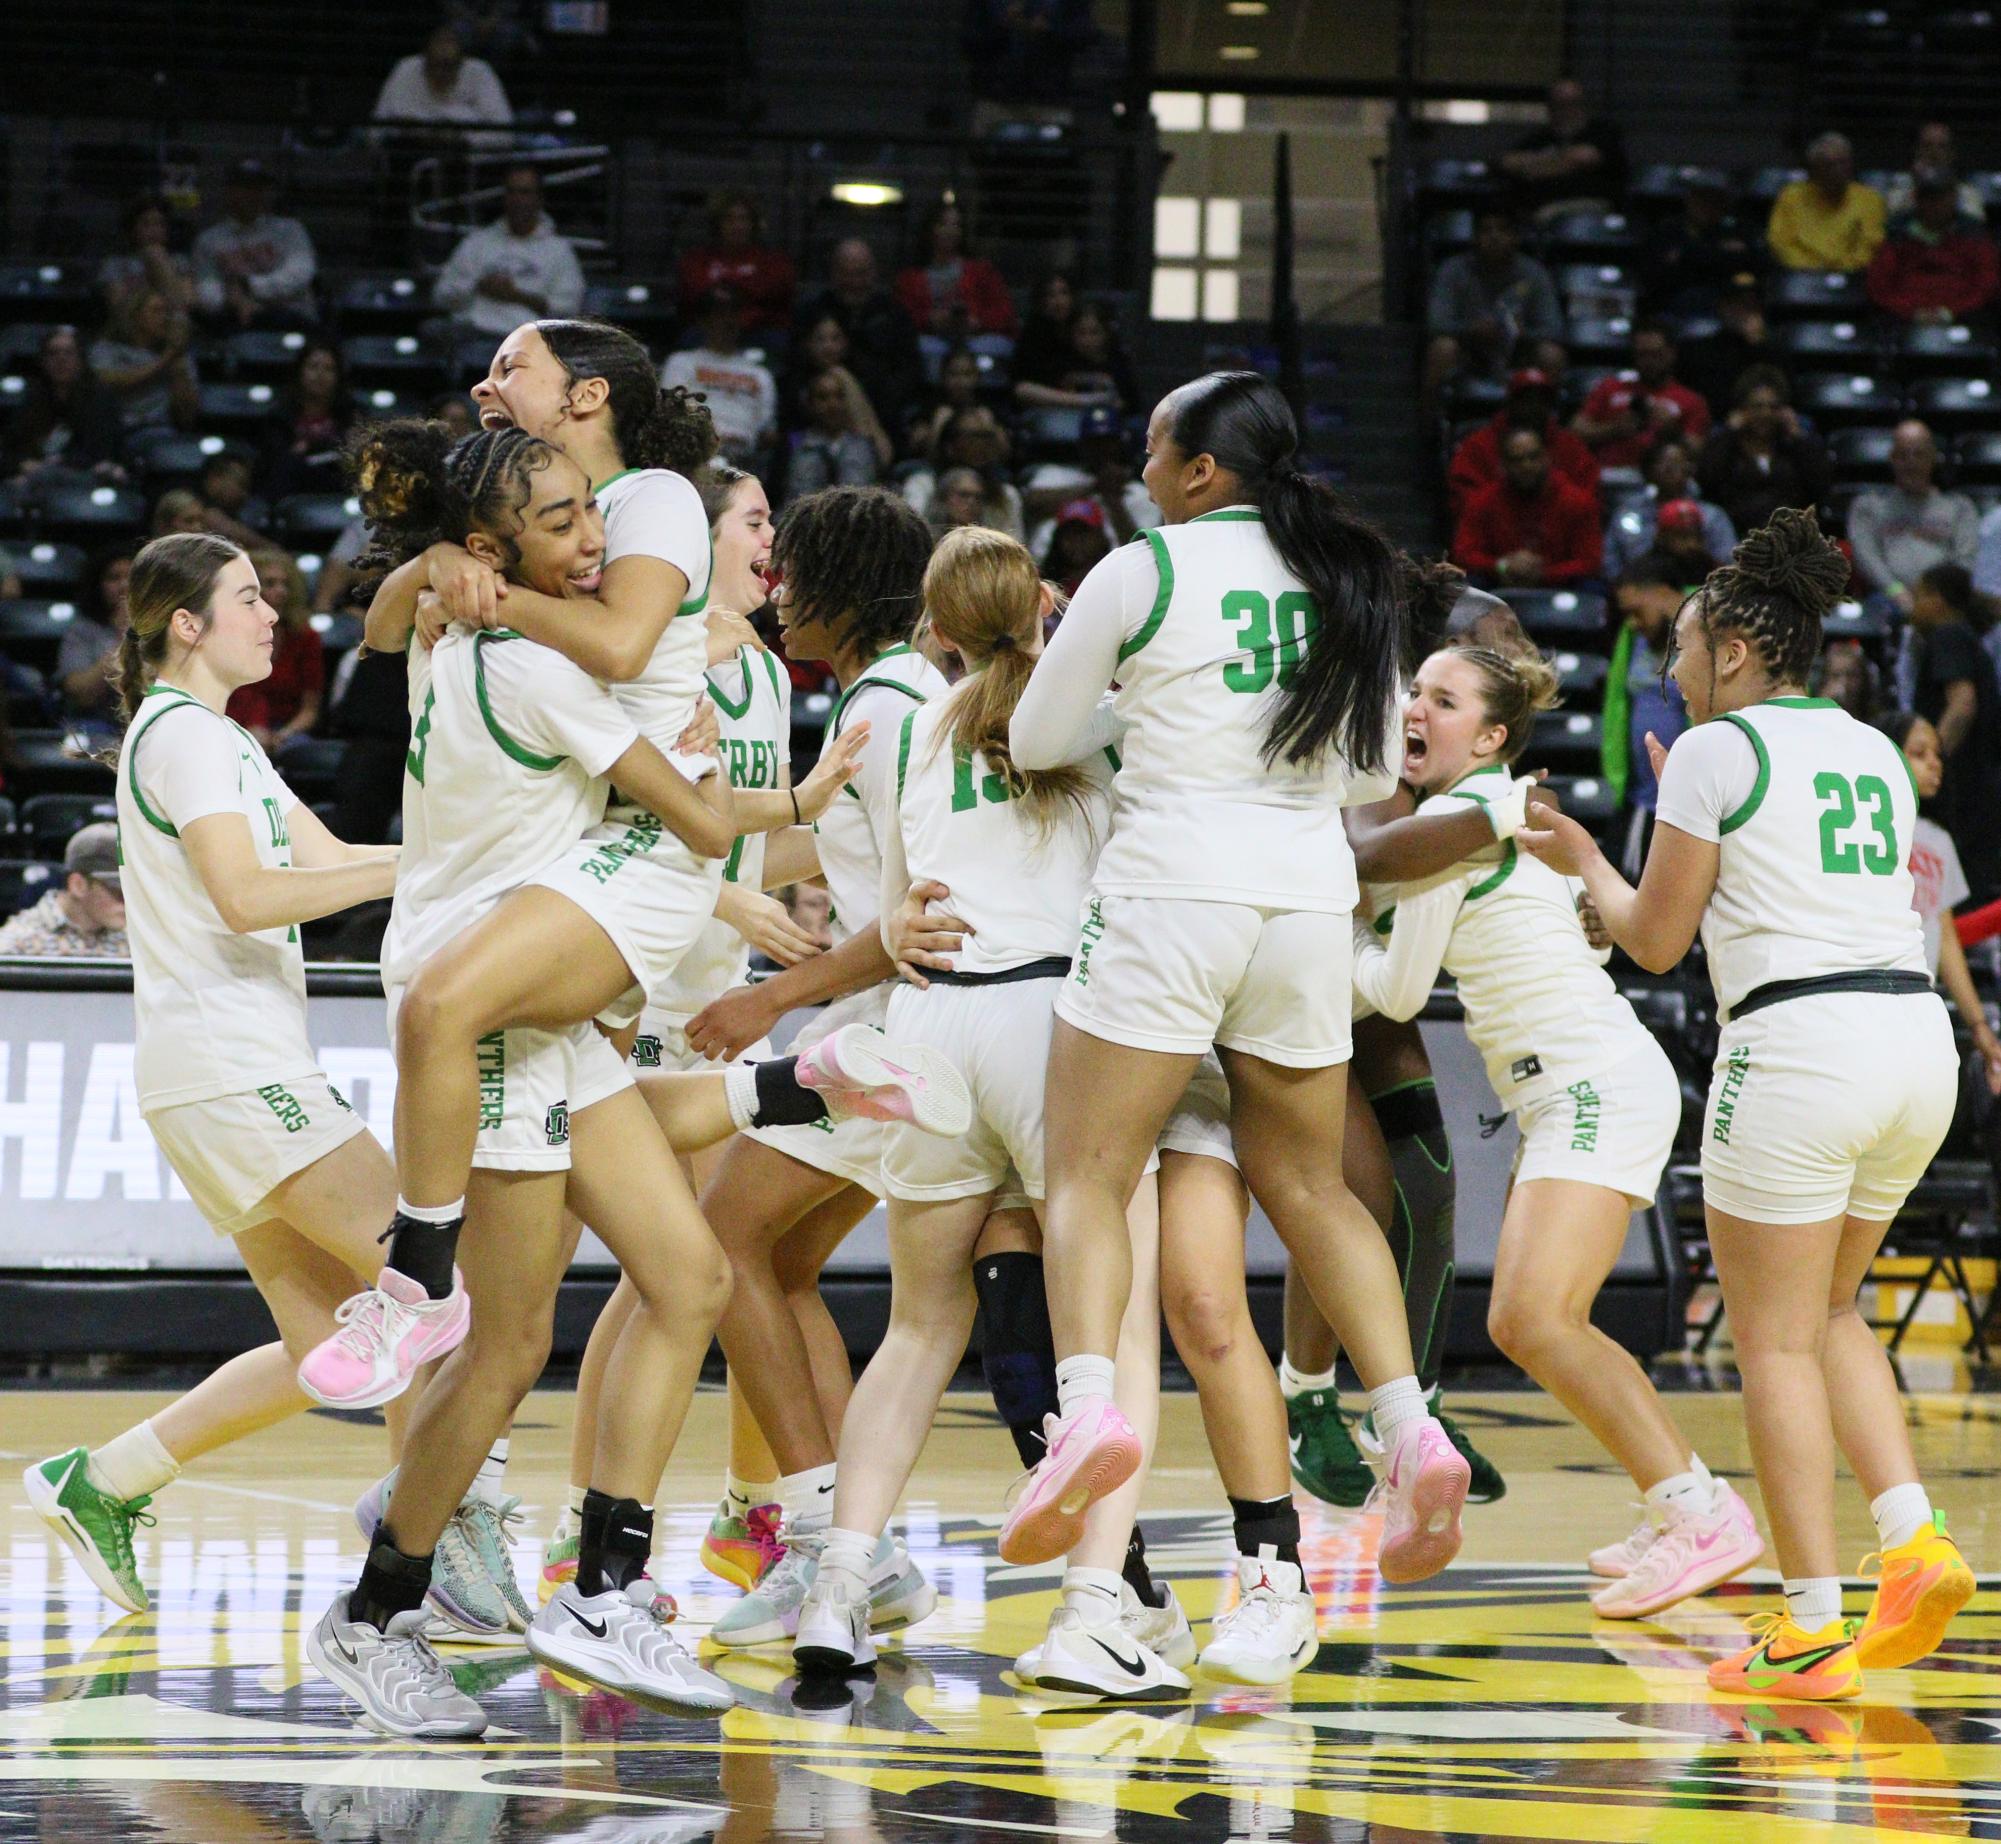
(217, 1012)
(1814, 870)
(1019, 886)
(652, 512)
(1201, 813)
(850, 847)
(509, 746)
(753, 700)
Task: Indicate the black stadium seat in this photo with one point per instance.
(1950, 405)
(399, 361)
(1560, 614)
(1861, 454)
(1566, 740)
(1581, 677)
(257, 356)
(7, 818)
(390, 301)
(51, 762)
(47, 568)
(1816, 294)
(646, 310)
(1852, 621)
(1590, 235)
(24, 882)
(1956, 349)
(32, 631)
(1838, 400)
(87, 511)
(1976, 458)
(48, 820)
(1588, 799)
(1823, 345)
(237, 409)
(167, 458)
(312, 521)
(52, 292)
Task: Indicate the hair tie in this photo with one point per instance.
(1005, 643)
(1284, 468)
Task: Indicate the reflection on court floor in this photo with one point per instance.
(1485, 1704)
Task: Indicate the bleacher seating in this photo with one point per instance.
(48, 568)
(1553, 616)
(47, 820)
(24, 881)
(32, 630)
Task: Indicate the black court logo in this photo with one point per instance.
(558, 1124)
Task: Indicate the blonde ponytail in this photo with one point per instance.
(1515, 684)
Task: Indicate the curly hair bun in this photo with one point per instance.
(1791, 559)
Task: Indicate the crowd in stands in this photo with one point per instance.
(216, 384)
(1629, 374)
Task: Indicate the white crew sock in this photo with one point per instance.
(576, 1500)
(808, 1499)
(1813, 1600)
(1293, 1382)
(1689, 1493)
(490, 1482)
(431, 1213)
(1394, 1407)
(745, 1495)
(740, 1091)
(1080, 1381)
(846, 1554)
(1093, 1594)
(134, 1465)
(1900, 1513)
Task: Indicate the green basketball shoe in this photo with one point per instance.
(1325, 1460)
(97, 1527)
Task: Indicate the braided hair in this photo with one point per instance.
(1776, 590)
(419, 487)
(853, 558)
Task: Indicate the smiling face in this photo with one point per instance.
(558, 544)
(242, 627)
(1927, 760)
(526, 388)
(1714, 675)
(742, 540)
(1446, 732)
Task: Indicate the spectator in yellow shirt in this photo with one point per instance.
(1827, 220)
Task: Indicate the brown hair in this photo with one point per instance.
(717, 484)
(171, 573)
(983, 596)
(1515, 683)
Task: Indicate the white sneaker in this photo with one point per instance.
(898, 1594)
(618, 1640)
(833, 1629)
(1693, 1553)
(401, 1685)
(1623, 1557)
(1099, 1661)
(1271, 1634)
(1164, 1631)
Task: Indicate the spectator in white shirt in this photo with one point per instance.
(742, 396)
(516, 269)
(1102, 474)
(254, 268)
(441, 86)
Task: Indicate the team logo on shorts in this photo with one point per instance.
(1093, 932)
(646, 1052)
(492, 1054)
(340, 1100)
(283, 1103)
(1584, 1122)
(557, 1124)
(1734, 1073)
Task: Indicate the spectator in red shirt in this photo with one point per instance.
(762, 278)
(1626, 414)
(950, 293)
(1935, 266)
(1531, 529)
(285, 706)
(1531, 404)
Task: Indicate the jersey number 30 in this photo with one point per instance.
(1275, 645)
(1848, 858)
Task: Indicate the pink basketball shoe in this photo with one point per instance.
(860, 1071)
(1424, 1487)
(1092, 1453)
(386, 1333)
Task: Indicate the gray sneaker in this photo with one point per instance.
(617, 1639)
(489, 1526)
(401, 1684)
(898, 1594)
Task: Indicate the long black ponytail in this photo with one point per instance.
(1341, 695)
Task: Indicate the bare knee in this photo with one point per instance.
(796, 1269)
(1523, 1327)
(512, 1357)
(438, 1001)
(689, 1295)
(1208, 1324)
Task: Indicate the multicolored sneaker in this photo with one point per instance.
(1326, 1463)
(1920, 1585)
(461, 1588)
(97, 1527)
(1424, 1486)
(870, 1076)
(741, 1550)
(386, 1333)
(1786, 1661)
(898, 1593)
(487, 1524)
(559, 1560)
(1488, 1485)
(1093, 1452)
(1692, 1554)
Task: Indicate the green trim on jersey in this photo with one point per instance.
(840, 709)
(525, 756)
(1228, 512)
(771, 667)
(1804, 704)
(598, 486)
(1454, 791)
(1488, 885)
(696, 604)
(1911, 774)
(903, 753)
(1112, 756)
(1755, 799)
(129, 755)
(1161, 596)
(716, 691)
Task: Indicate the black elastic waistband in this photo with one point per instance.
(1868, 979)
(1049, 967)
